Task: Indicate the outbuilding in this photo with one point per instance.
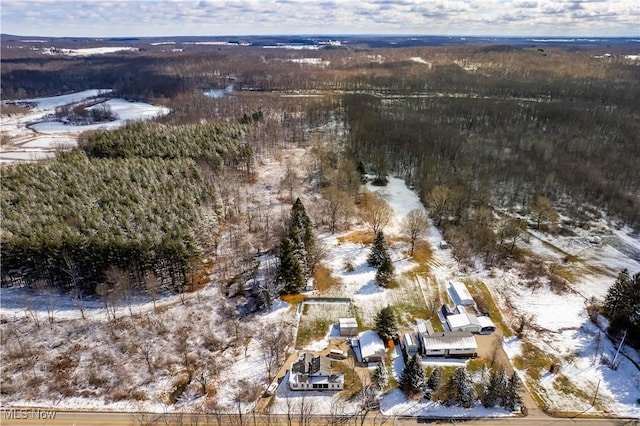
(410, 343)
(348, 327)
(371, 347)
(460, 294)
(464, 322)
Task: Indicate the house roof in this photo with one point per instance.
(460, 293)
(454, 340)
(348, 323)
(486, 322)
(463, 320)
(308, 364)
(409, 339)
(371, 344)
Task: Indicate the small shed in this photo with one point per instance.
(460, 294)
(348, 327)
(371, 347)
(410, 343)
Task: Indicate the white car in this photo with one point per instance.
(271, 389)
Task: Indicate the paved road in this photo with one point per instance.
(76, 418)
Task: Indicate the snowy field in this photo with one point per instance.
(35, 135)
(89, 51)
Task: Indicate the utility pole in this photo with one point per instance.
(615, 358)
(596, 394)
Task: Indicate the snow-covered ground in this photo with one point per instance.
(563, 328)
(35, 135)
(89, 51)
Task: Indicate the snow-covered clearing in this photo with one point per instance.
(419, 60)
(36, 135)
(89, 51)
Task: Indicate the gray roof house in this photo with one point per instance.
(314, 373)
(454, 344)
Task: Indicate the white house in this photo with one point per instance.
(456, 344)
(371, 346)
(314, 373)
(348, 326)
(460, 294)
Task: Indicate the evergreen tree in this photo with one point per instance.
(496, 390)
(434, 379)
(381, 375)
(362, 170)
(412, 380)
(622, 303)
(290, 272)
(384, 274)
(386, 324)
(484, 382)
(301, 235)
(460, 389)
(513, 398)
(378, 251)
(301, 221)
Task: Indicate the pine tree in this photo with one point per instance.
(301, 235)
(513, 398)
(491, 396)
(290, 272)
(378, 251)
(434, 379)
(386, 324)
(384, 275)
(622, 303)
(460, 389)
(381, 375)
(484, 382)
(301, 221)
(412, 380)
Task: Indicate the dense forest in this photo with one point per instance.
(126, 199)
(475, 129)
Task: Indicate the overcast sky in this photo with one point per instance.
(120, 18)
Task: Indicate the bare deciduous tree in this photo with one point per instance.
(338, 205)
(273, 341)
(415, 225)
(375, 211)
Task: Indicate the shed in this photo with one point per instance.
(371, 347)
(449, 344)
(460, 294)
(348, 327)
(410, 343)
(423, 326)
(486, 325)
(464, 322)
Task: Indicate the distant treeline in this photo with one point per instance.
(140, 199)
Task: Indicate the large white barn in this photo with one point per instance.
(460, 294)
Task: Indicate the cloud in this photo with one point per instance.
(247, 17)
